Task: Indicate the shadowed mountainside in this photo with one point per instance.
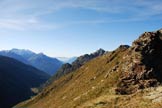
(16, 81)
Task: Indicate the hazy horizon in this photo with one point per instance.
(67, 28)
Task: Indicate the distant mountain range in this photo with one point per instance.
(40, 61)
(67, 59)
(16, 81)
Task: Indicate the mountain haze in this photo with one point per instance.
(45, 63)
(67, 59)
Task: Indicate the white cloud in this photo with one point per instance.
(27, 14)
(14, 24)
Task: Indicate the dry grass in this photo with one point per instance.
(91, 86)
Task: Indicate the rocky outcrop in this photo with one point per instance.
(142, 64)
(85, 58)
(66, 68)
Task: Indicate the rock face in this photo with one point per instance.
(85, 58)
(66, 68)
(142, 64)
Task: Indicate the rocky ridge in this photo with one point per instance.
(66, 68)
(142, 65)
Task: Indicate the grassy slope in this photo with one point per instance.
(91, 86)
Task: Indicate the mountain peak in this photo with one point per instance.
(99, 52)
(100, 49)
(21, 51)
(41, 54)
(147, 38)
(124, 46)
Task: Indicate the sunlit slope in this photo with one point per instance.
(88, 82)
(128, 77)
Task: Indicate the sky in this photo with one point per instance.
(66, 28)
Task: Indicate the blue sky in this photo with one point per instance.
(75, 27)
